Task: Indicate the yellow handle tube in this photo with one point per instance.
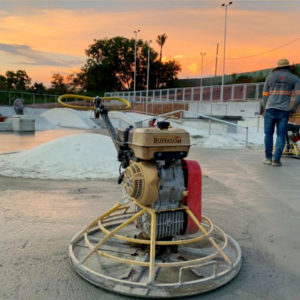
(60, 98)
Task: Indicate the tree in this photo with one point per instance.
(3, 83)
(23, 80)
(58, 84)
(110, 63)
(161, 39)
(38, 87)
(110, 66)
(18, 81)
(295, 69)
(11, 80)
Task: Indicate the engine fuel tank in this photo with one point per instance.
(145, 142)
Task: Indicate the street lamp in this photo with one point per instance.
(134, 79)
(202, 58)
(225, 5)
(148, 72)
(201, 82)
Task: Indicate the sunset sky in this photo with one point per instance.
(46, 37)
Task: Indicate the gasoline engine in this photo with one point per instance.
(156, 176)
(154, 242)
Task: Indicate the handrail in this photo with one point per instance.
(181, 111)
(195, 114)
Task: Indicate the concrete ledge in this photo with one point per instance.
(18, 123)
(238, 109)
(5, 126)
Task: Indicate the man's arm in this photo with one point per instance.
(266, 92)
(297, 97)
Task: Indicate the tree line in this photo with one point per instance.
(109, 67)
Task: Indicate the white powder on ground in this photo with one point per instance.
(79, 156)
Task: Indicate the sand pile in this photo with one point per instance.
(80, 156)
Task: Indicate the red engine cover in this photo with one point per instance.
(193, 178)
(296, 138)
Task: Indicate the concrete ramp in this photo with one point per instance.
(70, 118)
(123, 117)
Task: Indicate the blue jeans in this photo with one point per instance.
(278, 118)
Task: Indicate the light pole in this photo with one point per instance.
(225, 5)
(134, 78)
(148, 73)
(201, 80)
(202, 58)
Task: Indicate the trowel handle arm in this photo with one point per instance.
(106, 119)
(122, 149)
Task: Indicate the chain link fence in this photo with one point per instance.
(233, 92)
(32, 99)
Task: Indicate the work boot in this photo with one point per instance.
(267, 161)
(276, 163)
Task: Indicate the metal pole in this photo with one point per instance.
(224, 49)
(202, 56)
(148, 72)
(217, 56)
(134, 79)
(246, 137)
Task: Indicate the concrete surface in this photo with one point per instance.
(258, 205)
(241, 109)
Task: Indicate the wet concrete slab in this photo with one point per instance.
(258, 205)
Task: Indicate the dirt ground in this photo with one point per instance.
(258, 205)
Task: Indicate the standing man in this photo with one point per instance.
(277, 97)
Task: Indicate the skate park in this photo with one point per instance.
(56, 180)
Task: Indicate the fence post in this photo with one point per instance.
(246, 137)
(256, 91)
(209, 126)
(244, 91)
(152, 101)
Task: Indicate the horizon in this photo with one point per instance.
(46, 38)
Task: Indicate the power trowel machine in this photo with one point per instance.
(154, 242)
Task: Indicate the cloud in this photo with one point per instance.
(30, 56)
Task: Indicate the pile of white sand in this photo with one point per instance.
(79, 156)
